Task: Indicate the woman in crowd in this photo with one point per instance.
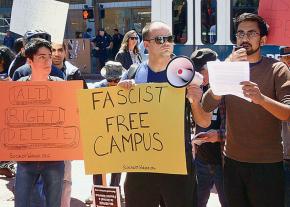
(6, 57)
(129, 52)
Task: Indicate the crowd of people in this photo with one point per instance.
(237, 145)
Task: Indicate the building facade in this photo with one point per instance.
(121, 14)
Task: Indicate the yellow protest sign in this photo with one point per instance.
(136, 130)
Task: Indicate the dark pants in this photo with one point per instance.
(115, 179)
(287, 182)
(151, 189)
(207, 176)
(27, 174)
(254, 184)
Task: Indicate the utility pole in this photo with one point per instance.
(96, 14)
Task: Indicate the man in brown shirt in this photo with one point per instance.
(253, 171)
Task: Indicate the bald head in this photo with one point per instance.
(153, 26)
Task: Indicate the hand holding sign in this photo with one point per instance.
(135, 130)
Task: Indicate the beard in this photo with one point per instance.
(250, 52)
(249, 48)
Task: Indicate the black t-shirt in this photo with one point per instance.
(210, 152)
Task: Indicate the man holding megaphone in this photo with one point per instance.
(146, 189)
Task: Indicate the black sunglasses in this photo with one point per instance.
(133, 38)
(113, 80)
(162, 39)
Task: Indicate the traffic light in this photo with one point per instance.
(88, 13)
(102, 11)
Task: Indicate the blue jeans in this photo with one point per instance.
(37, 197)
(287, 182)
(27, 175)
(207, 176)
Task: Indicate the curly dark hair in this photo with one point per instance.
(7, 56)
(33, 46)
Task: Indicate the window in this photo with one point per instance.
(208, 21)
(179, 21)
(239, 7)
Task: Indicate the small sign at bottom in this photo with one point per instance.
(104, 196)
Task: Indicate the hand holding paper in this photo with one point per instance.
(225, 77)
(252, 91)
(209, 136)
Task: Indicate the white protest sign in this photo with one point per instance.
(47, 15)
(225, 77)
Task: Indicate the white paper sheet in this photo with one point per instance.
(198, 141)
(225, 77)
(47, 15)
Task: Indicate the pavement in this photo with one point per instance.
(81, 188)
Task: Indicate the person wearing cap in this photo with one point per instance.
(19, 68)
(38, 53)
(208, 141)
(253, 163)
(285, 55)
(112, 72)
(285, 133)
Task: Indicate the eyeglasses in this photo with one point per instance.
(133, 38)
(250, 34)
(162, 39)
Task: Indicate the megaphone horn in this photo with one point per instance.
(185, 74)
(180, 72)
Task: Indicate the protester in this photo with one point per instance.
(147, 189)
(112, 72)
(6, 57)
(285, 57)
(19, 59)
(253, 169)
(208, 158)
(87, 34)
(71, 73)
(38, 54)
(19, 68)
(18, 45)
(129, 52)
(9, 40)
